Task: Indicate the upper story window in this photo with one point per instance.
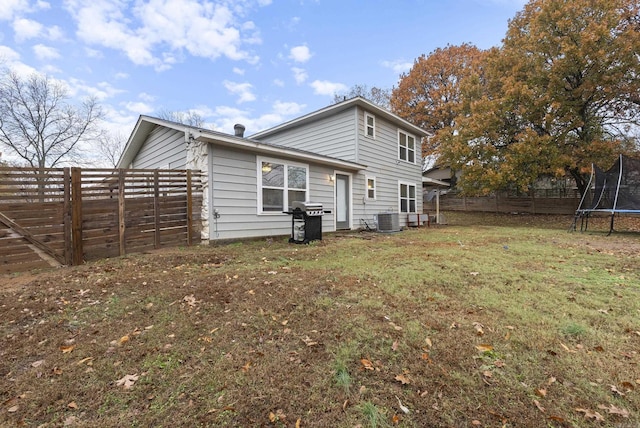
(370, 125)
(407, 197)
(371, 187)
(280, 183)
(406, 147)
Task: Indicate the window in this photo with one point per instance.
(369, 125)
(371, 187)
(280, 184)
(406, 147)
(407, 197)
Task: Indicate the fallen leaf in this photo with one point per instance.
(484, 347)
(402, 379)
(298, 422)
(628, 386)
(394, 346)
(615, 410)
(615, 390)
(124, 339)
(56, 371)
(37, 363)
(72, 405)
(541, 392)
(428, 341)
(566, 348)
(404, 408)
(395, 327)
(478, 327)
(487, 374)
(309, 342)
(67, 349)
(551, 380)
(127, 381)
(367, 364)
(272, 417)
(499, 363)
(476, 422)
(13, 409)
(85, 360)
(245, 368)
(539, 406)
(591, 415)
(395, 419)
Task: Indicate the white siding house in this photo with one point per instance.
(355, 158)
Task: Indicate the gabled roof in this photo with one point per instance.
(146, 124)
(339, 107)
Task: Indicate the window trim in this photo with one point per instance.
(285, 188)
(367, 126)
(408, 135)
(366, 187)
(400, 198)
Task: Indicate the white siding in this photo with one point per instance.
(164, 148)
(381, 157)
(333, 136)
(234, 192)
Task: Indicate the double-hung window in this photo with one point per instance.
(369, 125)
(280, 183)
(406, 147)
(407, 197)
(371, 187)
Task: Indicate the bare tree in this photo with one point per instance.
(110, 147)
(39, 125)
(379, 96)
(188, 117)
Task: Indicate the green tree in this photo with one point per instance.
(561, 93)
(430, 93)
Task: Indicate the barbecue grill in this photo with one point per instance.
(306, 222)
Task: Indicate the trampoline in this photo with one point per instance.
(614, 191)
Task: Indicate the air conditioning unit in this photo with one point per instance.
(388, 222)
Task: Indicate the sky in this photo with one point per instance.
(255, 62)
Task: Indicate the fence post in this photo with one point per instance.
(189, 208)
(121, 212)
(156, 208)
(66, 218)
(76, 216)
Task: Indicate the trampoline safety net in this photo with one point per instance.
(614, 191)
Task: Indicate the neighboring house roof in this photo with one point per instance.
(336, 108)
(436, 182)
(146, 124)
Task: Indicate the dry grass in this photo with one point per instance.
(488, 321)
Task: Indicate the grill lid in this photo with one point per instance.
(307, 207)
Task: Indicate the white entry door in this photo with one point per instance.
(343, 206)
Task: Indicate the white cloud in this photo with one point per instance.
(121, 75)
(300, 54)
(152, 32)
(287, 108)
(242, 90)
(138, 107)
(146, 97)
(300, 75)
(398, 66)
(45, 53)
(101, 91)
(25, 29)
(8, 55)
(278, 82)
(9, 8)
(238, 70)
(324, 87)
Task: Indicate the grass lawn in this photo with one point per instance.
(489, 321)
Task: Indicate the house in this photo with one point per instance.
(355, 158)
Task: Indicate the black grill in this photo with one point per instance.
(306, 222)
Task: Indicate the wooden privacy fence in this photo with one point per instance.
(65, 216)
(501, 203)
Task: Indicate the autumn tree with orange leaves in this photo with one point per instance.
(430, 93)
(562, 92)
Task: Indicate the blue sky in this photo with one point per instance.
(256, 62)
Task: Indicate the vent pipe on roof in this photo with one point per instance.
(239, 129)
